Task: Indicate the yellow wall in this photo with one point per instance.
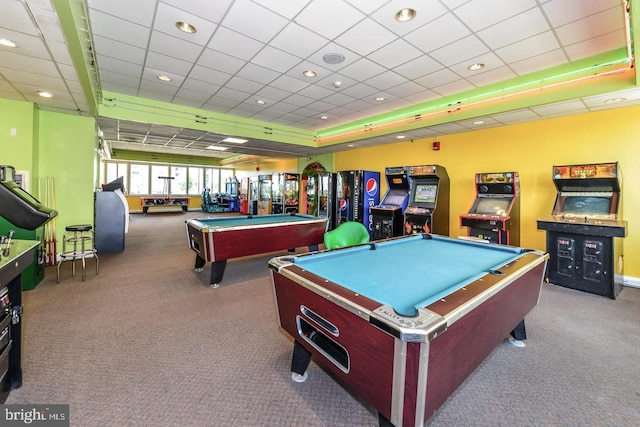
(530, 149)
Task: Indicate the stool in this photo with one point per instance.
(77, 244)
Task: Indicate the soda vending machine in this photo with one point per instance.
(356, 192)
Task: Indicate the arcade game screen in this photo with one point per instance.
(394, 199)
(425, 193)
(492, 206)
(586, 205)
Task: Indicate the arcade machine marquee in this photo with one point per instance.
(495, 214)
(583, 227)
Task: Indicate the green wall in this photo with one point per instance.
(55, 145)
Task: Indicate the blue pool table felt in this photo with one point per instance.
(254, 220)
(408, 274)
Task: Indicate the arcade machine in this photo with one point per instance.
(264, 194)
(327, 202)
(253, 195)
(582, 229)
(388, 216)
(495, 214)
(356, 192)
(231, 188)
(321, 197)
(23, 211)
(428, 208)
(243, 196)
(285, 192)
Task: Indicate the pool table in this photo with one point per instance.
(218, 239)
(404, 321)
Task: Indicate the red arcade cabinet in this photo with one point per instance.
(495, 214)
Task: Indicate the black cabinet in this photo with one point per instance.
(11, 269)
(111, 221)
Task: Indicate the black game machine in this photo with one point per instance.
(388, 216)
(495, 214)
(428, 209)
(356, 192)
(23, 211)
(583, 227)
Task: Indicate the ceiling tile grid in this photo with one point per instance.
(249, 50)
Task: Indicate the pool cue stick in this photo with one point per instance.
(48, 228)
(43, 196)
(54, 255)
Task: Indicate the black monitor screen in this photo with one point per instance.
(425, 193)
(394, 199)
(491, 206)
(586, 205)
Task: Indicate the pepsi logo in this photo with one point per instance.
(372, 187)
(343, 204)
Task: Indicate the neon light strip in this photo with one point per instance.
(445, 108)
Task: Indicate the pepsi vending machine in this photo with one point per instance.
(357, 191)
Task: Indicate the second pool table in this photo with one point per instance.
(404, 321)
(218, 239)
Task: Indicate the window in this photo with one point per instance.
(224, 175)
(212, 179)
(159, 180)
(178, 185)
(195, 181)
(148, 179)
(139, 180)
(117, 170)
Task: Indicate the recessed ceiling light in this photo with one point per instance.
(324, 117)
(400, 136)
(216, 148)
(337, 84)
(475, 67)
(185, 27)
(165, 78)
(8, 43)
(261, 101)
(235, 140)
(380, 98)
(609, 101)
(478, 122)
(350, 145)
(310, 73)
(333, 58)
(45, 94)
(406, 14)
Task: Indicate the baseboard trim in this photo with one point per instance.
(632, 282)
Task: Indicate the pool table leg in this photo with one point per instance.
(217, 271)
(300, 362)
(519, 333)
(383, 422)
(200, 262)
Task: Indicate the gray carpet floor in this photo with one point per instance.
(148, 343)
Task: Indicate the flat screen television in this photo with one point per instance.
(491, 206)
(425, 193)
(586, 205)
(21, 208)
